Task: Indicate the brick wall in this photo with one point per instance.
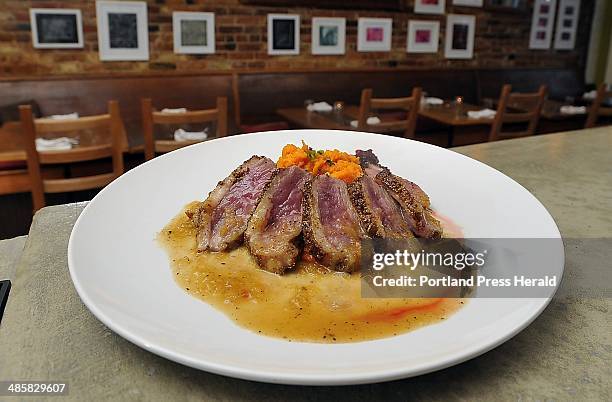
(501, 41)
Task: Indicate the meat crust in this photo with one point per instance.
(380, 214)
(419, 217)
(414, 202)
(222, 218)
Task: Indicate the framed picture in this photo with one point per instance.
(374, 34)
(194, 33)
(54, 28)
(429, 6)
(460, 36)
(122, 30)
(423, 36)
(283, 34)
(468, 3)
(567, 24)
(542, 22)
(328, 35)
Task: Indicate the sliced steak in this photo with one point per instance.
(330, 225)
(222, 218)
(367, 158)
(380, 214)
(417, 214)
(414, 202)
(274, 228)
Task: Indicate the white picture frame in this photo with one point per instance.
(567, 24)
(468, 3)
(423, 8)
(418, 42)
(460, 31)
(283, 34)
(374, 34)
(328, 36)
(542, 24)
(194, 32)
(56, 28)
(123, 32)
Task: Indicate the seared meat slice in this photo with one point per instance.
(380, 214)
(367, 158)
(330, 224)
(369, 162)
(413, 200)
(415, 211)
(274, 228)
(222, 218)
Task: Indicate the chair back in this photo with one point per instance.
(152, 117)
(408, 104)
(597, 109)
(13, 171)
(108, 147)
(530, 106)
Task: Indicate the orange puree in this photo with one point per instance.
(338, 164)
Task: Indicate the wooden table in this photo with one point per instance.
(449, 115)
(48, 334)
(455, 118)
(551, 118)
(12, 147)
(302, 118)
(454, 115)
(551, 109)
(446, 115)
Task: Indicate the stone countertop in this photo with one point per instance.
(10, 252)
(48, 334)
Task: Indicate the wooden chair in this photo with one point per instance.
(530, 105)
(14, 176)
(111, 149)
(410, 105)
(596, 110)
(151, 117)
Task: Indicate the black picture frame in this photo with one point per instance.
(56, 28)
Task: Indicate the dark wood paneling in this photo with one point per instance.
(261, 93)
(338, 4)
(560, 82)
(89, 96)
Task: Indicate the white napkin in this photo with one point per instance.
(319, 107)
(370, 121)
(182, 135)
(433, 101)
(481, 114)
(56, 144)
(590, 95)
(573, 109)
(176, 111)
(68, 116)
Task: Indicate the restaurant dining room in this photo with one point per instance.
(276, 200)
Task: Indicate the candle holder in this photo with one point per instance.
(459, 109)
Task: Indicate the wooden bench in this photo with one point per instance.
(89, 96)
(254, 96)
(561, 82)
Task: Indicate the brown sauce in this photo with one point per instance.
(310, 304)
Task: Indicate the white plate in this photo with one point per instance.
(124, 278)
